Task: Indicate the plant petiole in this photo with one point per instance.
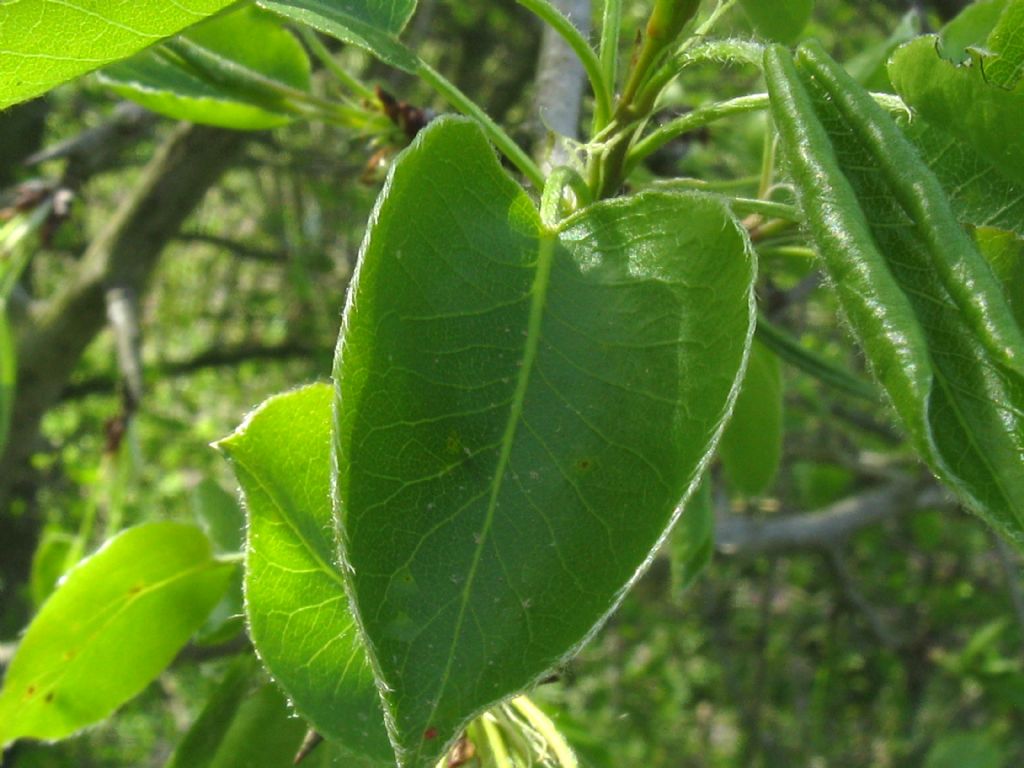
(494, 132)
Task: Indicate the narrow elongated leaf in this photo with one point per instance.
(234, 72)
(198, 748)
(926, 308)
(298, 612)
(520, 413)
(8, 375)
(46, 43)
(221, 517)
(984, 115)
(692, 544)
(370, 24)
(49, 563)
(780, 20)
(113, 624)
(751, 446)
(219, 514)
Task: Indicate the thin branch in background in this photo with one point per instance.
(235, 247)
(123, 316)
(218, 357)
(741, 536)
(98, 149)
(560, 84)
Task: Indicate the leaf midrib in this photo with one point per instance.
(286, 515)
(538, 293)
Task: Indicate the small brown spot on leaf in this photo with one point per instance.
(49, 697)
(430, 733)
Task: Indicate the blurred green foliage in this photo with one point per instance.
(903, 647)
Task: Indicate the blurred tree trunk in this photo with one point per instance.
(54, 334)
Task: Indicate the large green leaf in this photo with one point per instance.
(46, 43)
(781, 20)
(298, 612)
(923, 303)
(113, 624)
(984, 115)
(751, 446)
(520, 413)
(370, 24)
(234, 72)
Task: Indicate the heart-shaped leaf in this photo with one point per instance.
(520, 413)
(298, 612)
(45, 43)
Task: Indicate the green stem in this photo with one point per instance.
(543, 725)
(611, 29)
(728, 50)
(591, 64)
(691, 121)
(789, 252)
(184, 53)
(495, 744)
(742, 206)
(767, 161)
(656, 84)
(494, 132)
(812, 363)
(720, 185)
(319, 50)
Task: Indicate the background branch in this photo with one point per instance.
(560, 82)
(742, 536)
